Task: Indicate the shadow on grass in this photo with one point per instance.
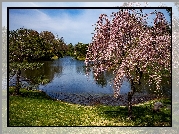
(143, 116)
(30, 94)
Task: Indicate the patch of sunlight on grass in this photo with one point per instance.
(34, 108)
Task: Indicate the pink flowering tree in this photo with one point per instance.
(131, 48)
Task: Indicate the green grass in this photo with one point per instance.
(35, 108)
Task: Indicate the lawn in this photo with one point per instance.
(35, 108)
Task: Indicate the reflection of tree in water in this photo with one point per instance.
(165, 90)
(103, 78)
(57, 70)
(145, 86)
(43, 75)
(80, 68)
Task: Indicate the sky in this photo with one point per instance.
(74, 25)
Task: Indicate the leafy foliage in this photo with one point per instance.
(80, 50)
(29, 45)
(70, 50)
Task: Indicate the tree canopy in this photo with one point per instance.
(29, 45)
(128, 46)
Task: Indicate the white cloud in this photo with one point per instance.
(73, 29)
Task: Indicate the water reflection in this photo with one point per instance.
(101, 80)
(73, 79)
(68, 75)
(80, 68)
(149, 88)
(43, 75)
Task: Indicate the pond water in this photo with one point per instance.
(67, 75)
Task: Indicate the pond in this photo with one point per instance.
(67, 76)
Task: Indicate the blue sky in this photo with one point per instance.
(73, 25)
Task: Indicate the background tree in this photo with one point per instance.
(24, 44)
(48, 42)
(70, 50)
(27, 46)
(80, 50)
(23, 47)
(59, 47)
(131, 49)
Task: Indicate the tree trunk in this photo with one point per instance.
(18, 85)
(130, 94)
(129, 105)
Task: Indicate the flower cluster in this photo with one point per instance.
(129, 46)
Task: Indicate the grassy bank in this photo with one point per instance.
(35, 108)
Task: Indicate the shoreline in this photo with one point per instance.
(89, 100)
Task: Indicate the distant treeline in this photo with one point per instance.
(29, 45)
